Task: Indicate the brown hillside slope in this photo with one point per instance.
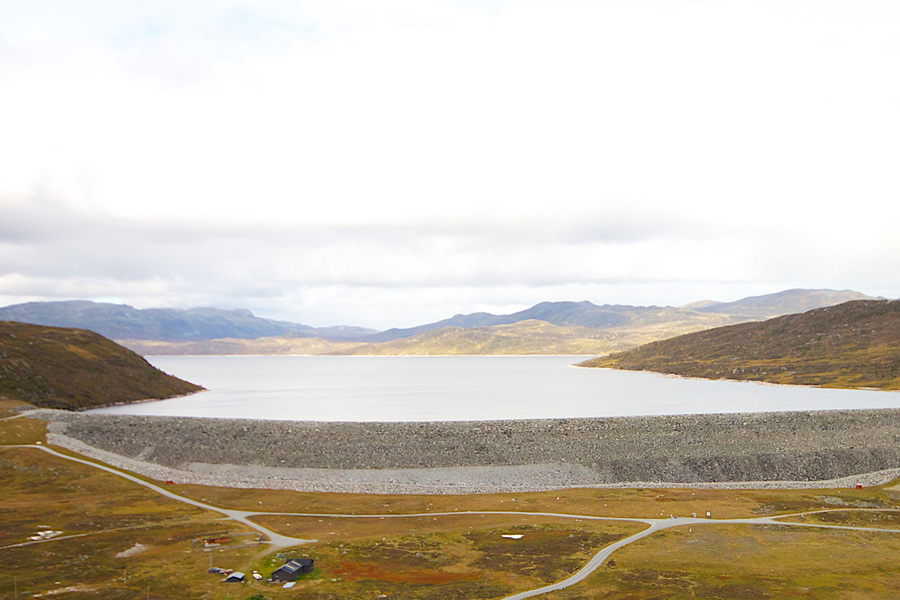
(55, 367)
(535, 337)
(529, 337)
(233, 346)
(851, 345)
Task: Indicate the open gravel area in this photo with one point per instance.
(794, 449)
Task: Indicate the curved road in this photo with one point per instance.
(241, 516)
(659, 524)
(279, 541)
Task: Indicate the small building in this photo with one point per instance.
(292, 569)
(216, 541)
(236, 577)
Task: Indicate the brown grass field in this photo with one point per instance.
(120, 540)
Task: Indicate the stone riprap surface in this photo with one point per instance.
(480, 456)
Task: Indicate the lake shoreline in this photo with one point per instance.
(463, 388)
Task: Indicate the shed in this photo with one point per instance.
(292, 569)
(236, 577)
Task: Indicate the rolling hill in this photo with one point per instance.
(851, 345)
(614, 316)
(123, 322)
(535, 336)
(562, 314)
(54, 367)
(787, 302)
(569, 327)
(286, 344)
(523, 337)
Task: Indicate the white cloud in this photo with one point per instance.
(287, 150)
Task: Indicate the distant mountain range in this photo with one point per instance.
(851, 345)
(561, 314)
(546, 328)
(788, 302)
(610, 316)
(123, 322)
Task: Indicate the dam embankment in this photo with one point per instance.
(768, 449)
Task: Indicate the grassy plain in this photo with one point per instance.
(749, 562)
(645, 503)
(119, 540)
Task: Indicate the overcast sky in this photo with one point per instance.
(393, 163)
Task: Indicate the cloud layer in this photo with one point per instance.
(383, 165)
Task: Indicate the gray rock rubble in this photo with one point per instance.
(767, 449)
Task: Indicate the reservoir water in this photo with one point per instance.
(462, 388)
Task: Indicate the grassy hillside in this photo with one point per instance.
(856, 344)
(72, 368)
(521, 338)
(524, 337)
(233, 346)
(788, 302)
(532, 337)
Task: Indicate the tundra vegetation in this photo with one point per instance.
(110, 538)
(56, 367)
(851, 345)
(69, 531)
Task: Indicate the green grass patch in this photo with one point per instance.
(129, 538)
(746, 561)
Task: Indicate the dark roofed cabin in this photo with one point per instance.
(292, 569)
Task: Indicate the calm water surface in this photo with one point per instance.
(462, 388)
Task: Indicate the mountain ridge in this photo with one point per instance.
(121, 321)
(799, 301)
(218, 331)
(587, 314)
